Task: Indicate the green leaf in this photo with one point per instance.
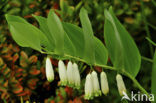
(101, 54)
(75, 34)
(12, 18)
(25, 34)
(64, 8)
(69, 48)
(88, 37)
(56, 29)
(22, 34)
(44, 28)
(122, 49)
(153, 85)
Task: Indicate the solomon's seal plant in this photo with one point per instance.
(65, 41)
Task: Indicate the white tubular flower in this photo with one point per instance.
(96, 86)
(77, 78)
(49, 70)
(62, 73)
(120, 84)
(70, 74)
(89, 90)
(104, 83)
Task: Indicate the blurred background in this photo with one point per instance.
(22, 72)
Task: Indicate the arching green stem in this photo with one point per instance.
(114, 69)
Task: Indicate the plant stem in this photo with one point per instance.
(146, 26)
(150, 41)
(128, 75)
(107, 67)
(152, 26)
(154, 3)
(114, 69)
(147, 59)
(137, 83)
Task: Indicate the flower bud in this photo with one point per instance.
(62, 73)
(27, 101)
(120, 84)
(49, 70)
(70, 74)
(77, 78)
(89, 87)
(104, 83)
(96, 86)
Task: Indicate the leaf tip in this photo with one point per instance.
(83, 10)
(6, 16)
(110, 8)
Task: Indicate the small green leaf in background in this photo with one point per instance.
(64, 8)
(56, 29)
(153, 85)
(122, 49)
(88, 37)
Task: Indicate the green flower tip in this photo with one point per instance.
(50, 79)
(64, 83)
(97, 93)
(88, 97)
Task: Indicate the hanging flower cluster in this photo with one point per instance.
(92, 87)
(70, 76)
